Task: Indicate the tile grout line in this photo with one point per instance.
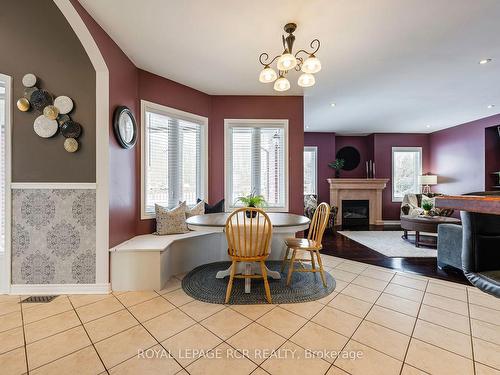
(88, 336)
(471, 338)
(413, 330)
(24, 337)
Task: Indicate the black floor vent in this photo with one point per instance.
(38, 299)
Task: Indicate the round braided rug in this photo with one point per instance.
(202, 285)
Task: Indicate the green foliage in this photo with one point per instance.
(253, 200)
(427, 206)
(337, 164)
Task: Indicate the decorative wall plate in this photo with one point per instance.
(29, 80)
(40, 99)
(71, 129)
(125, 127)
(51, 112)
(64, 104)
(70, 144)
(44, 127)
(23, 104)
(28, 91)
(61, 119)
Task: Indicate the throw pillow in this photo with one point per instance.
(171, 221)
(218, 207)
(198, 209)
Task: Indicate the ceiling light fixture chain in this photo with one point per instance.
(288, 61)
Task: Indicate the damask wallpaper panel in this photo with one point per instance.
(53, 236)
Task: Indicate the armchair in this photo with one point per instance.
(480, 257)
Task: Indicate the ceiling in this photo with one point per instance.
(388, 65)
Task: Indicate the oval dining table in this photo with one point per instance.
(285, 225)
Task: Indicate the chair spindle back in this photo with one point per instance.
(319, 222)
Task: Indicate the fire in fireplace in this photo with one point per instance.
(355, 213)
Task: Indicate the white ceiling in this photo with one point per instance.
(389, 65)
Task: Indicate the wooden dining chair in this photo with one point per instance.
(311, 244)
(248, 234)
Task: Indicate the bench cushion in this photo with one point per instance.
(153, 242)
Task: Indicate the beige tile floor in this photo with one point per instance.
(397, 323)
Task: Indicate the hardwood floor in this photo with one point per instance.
(343, 247)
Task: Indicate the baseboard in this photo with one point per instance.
(391, 222)
(45, 289)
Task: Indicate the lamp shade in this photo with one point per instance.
(281, 84)
(427, 179)
(286, 62)
(267, 75)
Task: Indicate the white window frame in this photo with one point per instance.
(5, 277)
(404, 149)
(172, 112)
(258, 123)
(315, 150)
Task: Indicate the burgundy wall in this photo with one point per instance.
(382, 147)
(364, 144)
(458, 156)
(325, 142)
(124, 164)
(258, 107)
(163, 91)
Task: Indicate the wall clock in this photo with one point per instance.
(125, 127)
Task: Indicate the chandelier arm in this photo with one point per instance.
(266, 57)
(316, 48)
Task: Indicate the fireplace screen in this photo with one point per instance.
(355, 213)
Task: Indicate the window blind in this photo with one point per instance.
(174, 160)
(310, 170)
(2, 167)
(256, 163)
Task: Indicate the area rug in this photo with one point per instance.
(202, 285)
(390, 244)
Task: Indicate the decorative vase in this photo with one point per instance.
(337, 173)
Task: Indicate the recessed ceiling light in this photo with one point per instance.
(332, 104)
(491, 106)
(307, 127)
(484, 61)
(427, 126)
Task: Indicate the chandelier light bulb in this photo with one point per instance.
(287, 61)
(311, 65)
(267, 75)
(306, 80)
(281, 84)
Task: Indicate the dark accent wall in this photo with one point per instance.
(325, 142)
(36, 38)
(364, 145)
(259, 107)
(462, 156)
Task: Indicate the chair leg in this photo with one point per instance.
(230, 283)
(266, 282)
(321, 268)
(285, 259)
(290, 267)
(313, 263)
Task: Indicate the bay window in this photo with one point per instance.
(174, 157)
(256, 155)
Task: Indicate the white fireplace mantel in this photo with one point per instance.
(358, 189)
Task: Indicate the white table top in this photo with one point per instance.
(279, 220)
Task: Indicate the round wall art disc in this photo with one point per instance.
(70, 144)
(40, 99)
(61, 119)
(29, 80)
(71, 129)
(28, 91)
(51, 112)
(23, 104)
(64, 104)
(44, 127)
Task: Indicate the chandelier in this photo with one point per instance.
(288, 61)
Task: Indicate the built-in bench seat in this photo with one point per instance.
(148, 261)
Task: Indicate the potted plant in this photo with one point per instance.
(252, 200)
(337, 164)
(427, 206)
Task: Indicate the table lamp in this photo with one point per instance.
(426, 181)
